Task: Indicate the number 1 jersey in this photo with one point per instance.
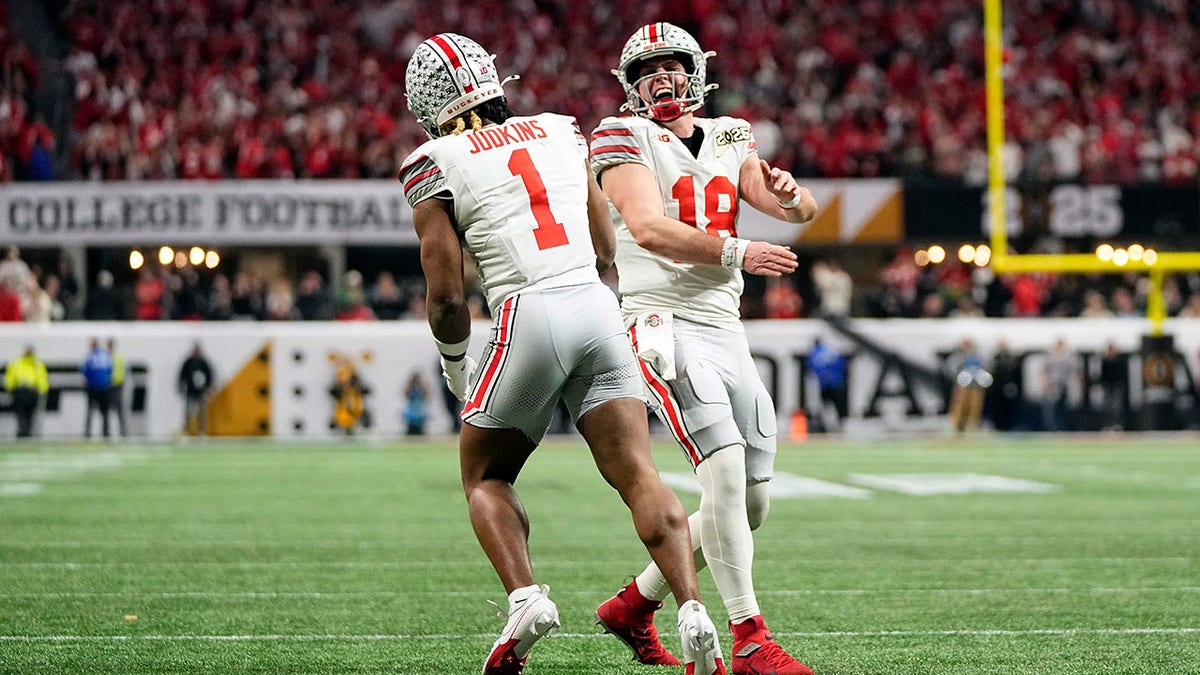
(520, 193)
(698, 190)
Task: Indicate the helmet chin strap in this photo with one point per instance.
(667, 111)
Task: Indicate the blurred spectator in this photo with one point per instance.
(782, 300)
(971, 382)
(280, 303)
(15, 270)
(97, 372)
(386, 300)
(149, 292)
(196, 384)
(829, 365)
(10, 301)
(834, 286)
(37, 305)
(1191, 310)
(116, 389)
(1094, 305)
(248, 301)
(1060, 374)
(1114, 382)
(25, 379)
(104, 303)
(1005, 393)
(416, 405)
(314, 302)
(353, 305)
(219, 305)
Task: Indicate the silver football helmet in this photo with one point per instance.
(663, 39)
(447, 75)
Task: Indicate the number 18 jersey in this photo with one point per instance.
(701, 191)
(520, 192)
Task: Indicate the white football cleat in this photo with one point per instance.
(701, 649)
(528, 621)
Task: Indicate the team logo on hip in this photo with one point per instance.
(654, 321)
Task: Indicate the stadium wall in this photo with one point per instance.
(303, 359)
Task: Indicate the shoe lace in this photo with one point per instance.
(773, 654)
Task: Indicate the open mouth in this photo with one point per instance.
(664, 94)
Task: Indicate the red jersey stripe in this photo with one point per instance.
(612, 132)
(493, 366)
(663, 394)
(420, 177)
(617, 149)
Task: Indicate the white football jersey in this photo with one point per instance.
(701, 191)
(519, 191)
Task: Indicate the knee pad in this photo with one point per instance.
(758, 503)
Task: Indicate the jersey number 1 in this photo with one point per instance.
(548, 232)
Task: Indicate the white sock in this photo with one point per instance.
(725, 531)
(720, 534)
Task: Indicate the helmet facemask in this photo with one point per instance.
(660, 40)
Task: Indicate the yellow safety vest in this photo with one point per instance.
(26, 371)
(118, 372)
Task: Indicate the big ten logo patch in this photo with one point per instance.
(349, 392)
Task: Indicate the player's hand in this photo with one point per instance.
(780, 183)
(769, 260)
(458, 375)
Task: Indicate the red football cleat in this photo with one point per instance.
(630, 616)
(755, 652)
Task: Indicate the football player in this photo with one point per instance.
(517, 192)
(676, 183)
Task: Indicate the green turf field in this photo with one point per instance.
(259, 558)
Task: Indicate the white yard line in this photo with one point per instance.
(589, 636)
(558, 563)
(335, 595)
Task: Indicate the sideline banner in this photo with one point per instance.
(297, 399)
(345, 212)
(206, 212)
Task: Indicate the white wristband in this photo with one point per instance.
(733, 253)
(453, 350)
(791, 203)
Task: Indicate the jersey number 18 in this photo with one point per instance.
(719, 221)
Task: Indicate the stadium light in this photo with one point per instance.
(165, 255)
(136, 260)
(966, 253)
(196, 255)
(1120, 257)
(212, 259)
(1150, 256)
(936, 254)
(181, 259)
(1136, 251)
(983, 255)
(921, 257)
(1104, 252)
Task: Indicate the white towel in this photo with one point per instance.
(656, 342)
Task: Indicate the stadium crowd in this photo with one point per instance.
(1097, 90)
(903, 289)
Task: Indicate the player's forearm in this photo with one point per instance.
(804, 211)
(449, 318)
(678, 241)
